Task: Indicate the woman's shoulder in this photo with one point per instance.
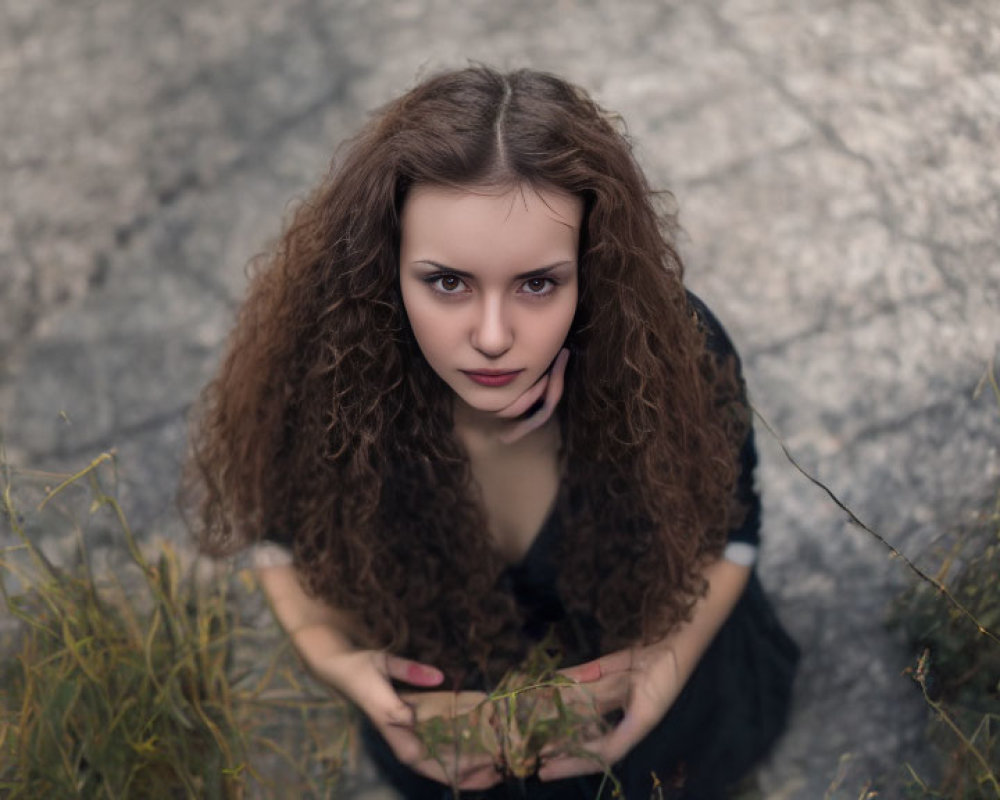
(716, 338)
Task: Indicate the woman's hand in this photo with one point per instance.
(645, 681)
(457, 732)
(551, 385)
(364, 677)
(320, 634)
(641, 681)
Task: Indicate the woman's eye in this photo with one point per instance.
(452, 284)
(539, 285)
(446, 284)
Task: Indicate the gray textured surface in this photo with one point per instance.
(837, 168)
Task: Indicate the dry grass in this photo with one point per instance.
(142, 681)
(958, 669)
(953, 622)
(139, 679)
(952, 618)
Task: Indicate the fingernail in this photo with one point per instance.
(416, 672)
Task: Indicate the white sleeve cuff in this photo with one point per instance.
(269, 554)
(740, 553)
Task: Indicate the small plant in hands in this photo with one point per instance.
(534, 710)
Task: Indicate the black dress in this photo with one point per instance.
(726, 718)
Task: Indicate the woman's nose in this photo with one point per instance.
(492, 335)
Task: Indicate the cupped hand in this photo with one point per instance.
(551, 386)
(643, 682)
(457, 731)
(365, 675)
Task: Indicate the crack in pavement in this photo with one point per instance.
(107, 441)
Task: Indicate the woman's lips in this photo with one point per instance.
(493, 378)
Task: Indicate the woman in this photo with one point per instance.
(470, 405)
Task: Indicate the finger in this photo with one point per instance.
(613, 746)
(615, 663)
(601, 753)
(428, 705)
(570, 766)
(468, 772)
(523, 428)
(553, 392)
(526, 400)
(458, 769)
(551, 384)
(584, 760)
(406, 746)
(412, 672)
(457, 765)
(481, 779)
(585, 673)
(559, 374)
(379, 701)
(607, 694)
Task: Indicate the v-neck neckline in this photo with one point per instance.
(535, 543)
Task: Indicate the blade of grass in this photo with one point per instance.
(894, 552)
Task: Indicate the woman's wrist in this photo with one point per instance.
(321, 647)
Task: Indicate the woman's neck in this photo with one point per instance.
(480, 433)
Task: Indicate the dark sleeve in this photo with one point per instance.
(278, 537)
(718, 343)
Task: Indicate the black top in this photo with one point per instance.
(730, 711)
(718, 342)
(532, 580)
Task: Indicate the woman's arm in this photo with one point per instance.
(645, 681)
(322, 637)
(316, 630)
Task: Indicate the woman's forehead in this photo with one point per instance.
(496, 235)
(519, 217)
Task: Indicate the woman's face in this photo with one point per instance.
(489, 283)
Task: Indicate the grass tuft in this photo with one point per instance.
(950, 621)
(958, 669)
(141, 680)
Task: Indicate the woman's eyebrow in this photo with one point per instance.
(533, 273)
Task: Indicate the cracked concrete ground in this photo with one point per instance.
(837, 169)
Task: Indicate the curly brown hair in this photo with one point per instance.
(325, 427)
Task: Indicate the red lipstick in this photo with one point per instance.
(492, 377)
